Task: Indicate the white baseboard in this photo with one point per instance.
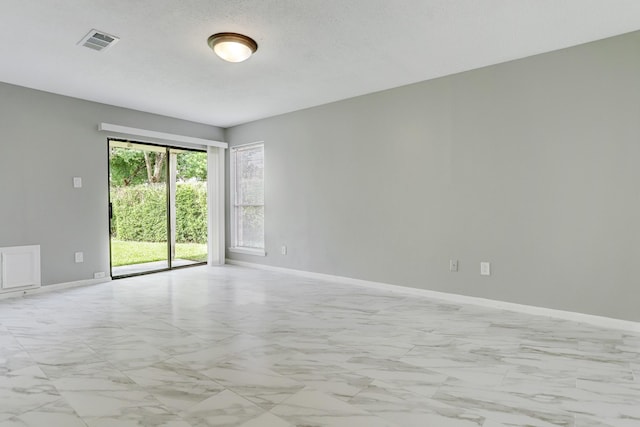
(50, 288)
(601, 321)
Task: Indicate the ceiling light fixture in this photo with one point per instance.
(232, 47)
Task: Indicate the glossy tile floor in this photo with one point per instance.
(232, 346)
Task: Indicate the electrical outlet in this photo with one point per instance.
(485, 268)
(98, 275)
(453, 265)
(79, 257)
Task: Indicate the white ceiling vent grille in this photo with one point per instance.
(98, 40)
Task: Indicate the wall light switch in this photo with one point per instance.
(77, 182)
(283, 250)
(485, 268)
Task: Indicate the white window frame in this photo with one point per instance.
(234, 201)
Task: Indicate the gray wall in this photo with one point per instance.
(45, 140)
(533, 165)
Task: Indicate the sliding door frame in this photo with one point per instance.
(170, 209)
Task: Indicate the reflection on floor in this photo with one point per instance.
(125, 270)
(230, 346)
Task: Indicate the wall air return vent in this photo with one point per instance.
(98, 40)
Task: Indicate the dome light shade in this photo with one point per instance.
(232, 47)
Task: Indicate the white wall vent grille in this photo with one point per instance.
(19, 267)
(98, 40)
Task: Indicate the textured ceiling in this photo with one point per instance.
(310, 52)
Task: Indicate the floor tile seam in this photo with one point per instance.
(224, 387)
(205, 339)
(179, 328)
(634, 376)
(310, 388)
(60, 398)
(74, 411)
(234, 389)
(546, 415)
(82, 419)
(36, 363)
(155, 403)
(130, 378)
(112, 362)
(127, 388)
(16, 418)
(361, 390)
(86, 419)
(401, 356)
(17, 341)
(401, 388)
(505, 375)
(170, 411)
(184, 413)
(462, 408)
(519, 407)
(188, 408)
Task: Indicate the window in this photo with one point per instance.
(247, 191)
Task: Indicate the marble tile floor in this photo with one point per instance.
(231, 346)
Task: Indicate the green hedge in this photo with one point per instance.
(191, 212)
(140, 213)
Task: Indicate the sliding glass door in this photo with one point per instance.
(189, 207)
(157, 206)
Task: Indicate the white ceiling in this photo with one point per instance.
(311, 52)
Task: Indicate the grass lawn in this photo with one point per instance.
(127, 253)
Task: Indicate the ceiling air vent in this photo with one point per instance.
(98, 40)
